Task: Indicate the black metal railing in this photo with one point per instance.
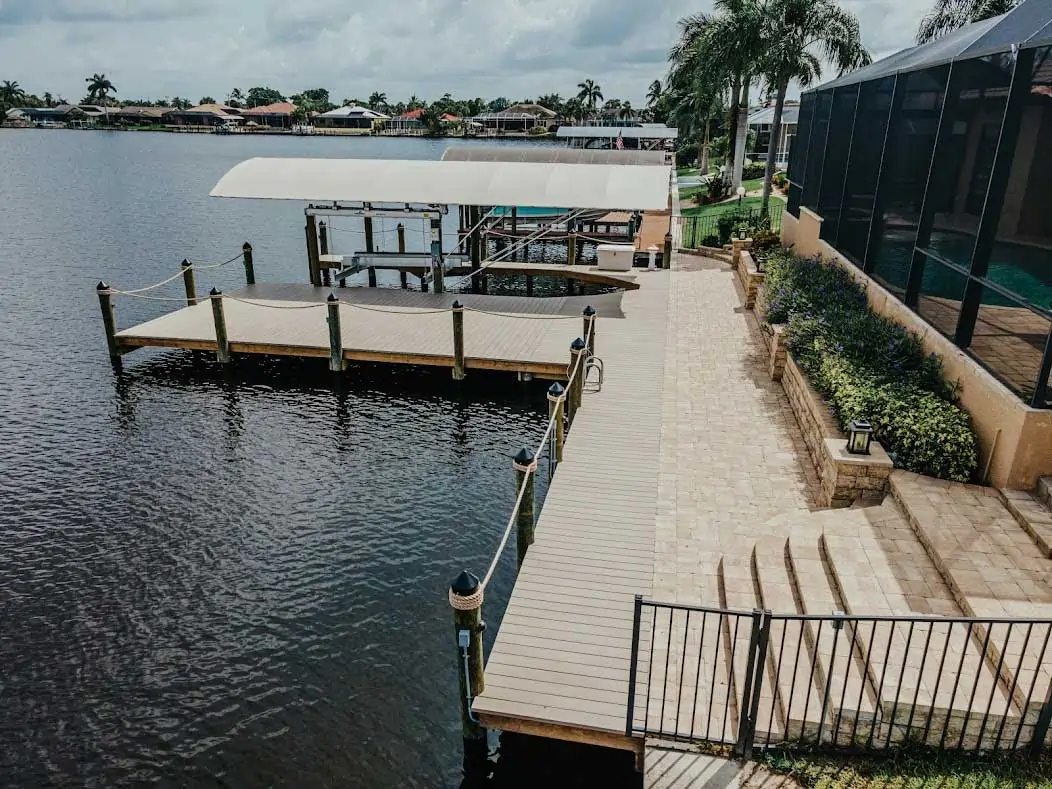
(755, 679)
(715, 230)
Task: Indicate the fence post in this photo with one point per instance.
(633, 667)
(576, 386)
(750, 701)
(458, 341)
(465, 597)
(189, 285)
(336, 362)
(109, 322)
(1041, 727)
(557, 411)
(589, 328)
(250, 269)
(222, 340)
(525, 467)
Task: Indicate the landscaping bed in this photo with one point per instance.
(868, 367)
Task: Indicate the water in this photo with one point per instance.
(210, 580)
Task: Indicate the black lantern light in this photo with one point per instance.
(743, 232)
(859, 436)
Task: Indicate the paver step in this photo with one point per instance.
(791, 665)
(1044, 491)
(930, 676)
(994, 570)
(1033, 514)
(737, 592)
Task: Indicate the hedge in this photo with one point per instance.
(869, 367)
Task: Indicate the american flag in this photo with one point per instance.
(620, 144)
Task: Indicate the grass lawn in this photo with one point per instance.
(748, 203)
(688, 192)
(681, 171)
(916, 769)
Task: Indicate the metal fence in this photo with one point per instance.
(715, 230)
(755, 679)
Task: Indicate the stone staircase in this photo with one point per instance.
(932, 549)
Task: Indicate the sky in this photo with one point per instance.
(489, 48)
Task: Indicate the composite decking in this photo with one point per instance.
(528, 335)
(560, 663)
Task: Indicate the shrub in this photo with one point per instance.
(712, 240)
(868, 367)
(717, 188)
(780, 179)
(754, 170)
(537, 131)
(686, 157)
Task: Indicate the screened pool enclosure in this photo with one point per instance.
(932, 171)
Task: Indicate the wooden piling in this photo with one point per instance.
(514, 220)
(465, 597)
(109, 322)
(575, 391)
(312, 251)
(369, 234)
(475, 248)
(404, 279)
(458, 341)
(436, 256)
(336, 360)
(189, 285)
(372, 277)
(222, 340)
(557, 411)
(250, 268)
(571, 249)
(529, 285)
(323, 248)
(401, 238)
(588, 328)
(569, 286)
(525, 469)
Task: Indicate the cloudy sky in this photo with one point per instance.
(515, 48)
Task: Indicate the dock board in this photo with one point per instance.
(560, 664)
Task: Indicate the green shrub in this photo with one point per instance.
(780, 179)
(717, 188)
(754, 170)
(869, 367)
(712, 241)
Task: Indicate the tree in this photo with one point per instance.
(432, 119)
(499, 104)
(552, 101)
(948, 15)
(695, 93)
(798, 36)
(611, 105)
(589, 94)
(236, 98)
(625, 112)
(11, 95)
(99, 88)
(654, 93)
(260, 97)
(207, 100)
(378, 101)
(49, 100)
(313, 100)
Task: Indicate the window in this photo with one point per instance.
(799, 153)
(817, 150)
(838, 146)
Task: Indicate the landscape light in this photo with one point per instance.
(859, 436)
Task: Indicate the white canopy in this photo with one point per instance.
(600, 186)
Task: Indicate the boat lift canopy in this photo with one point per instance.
(568, 186)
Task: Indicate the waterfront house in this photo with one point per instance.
(205, 115)
(762, 120)
(352, 117)
(138, 116)
(518, 118)
(58, 115)
(274, 116)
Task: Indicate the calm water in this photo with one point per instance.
(211, 580)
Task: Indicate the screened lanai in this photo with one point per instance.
(932, 172)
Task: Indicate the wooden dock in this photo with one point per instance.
(505, 333)
(560, 664)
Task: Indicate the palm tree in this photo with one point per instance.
(590, 94)
(11, 95)
(378, 101)
(552, 101)
(432, 119)
(799, 35)
(99, 87)
(654, 93)
(236, 98)
(414, 103)
(625, 112)
(948, 15)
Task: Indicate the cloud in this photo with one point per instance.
(22, 12)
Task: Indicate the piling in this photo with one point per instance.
(403, 278)
(372, 277)
(525, 468)
(250, 269)
(575, 393)
(323, 247)
(557, 412)
(336, 361)
(475, 247)
(369, 234)
(436, 255)
(401, 238)
(189, 285)
(588, 328)
(458, 341)
(569, 286)
(465, 596)
(312, 251)
(109, 322)
(222, 340)
(666, 254)
(514, 220)
(529, 285)
(571, 249)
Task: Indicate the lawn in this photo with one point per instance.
(682, 171)
(920, 769)
(777, 206)
(687, 193)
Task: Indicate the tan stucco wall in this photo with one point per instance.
(1014, 439)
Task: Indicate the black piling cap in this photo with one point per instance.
(185, 263)
(465, 584)
(102, 286)
(524, 457)
(332, 298)
(457, 305)
(555, 390)
(589, 311)
(246, 246)
(215, 292)
(578, 345)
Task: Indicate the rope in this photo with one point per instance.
(179, 273)
(533, 470)
(469, 603)
(136, 295)
(347, 304)
(524, 317)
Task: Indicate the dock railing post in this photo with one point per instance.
(250, 269)
(401, 238)
(189, 285)
(336, 361)
(458, 341)
(589, 328)
(438, 275)
(666, 254)
(525, 475)
(465, 596)
(557, 411)
(575, 390)
(369, 233)
(323, 247)
(222, 340)
(109, 322)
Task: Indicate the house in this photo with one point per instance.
(53, 116)
(15, 118)
(353, 117)
(762, 121)
(139, 116)
(274, 116)
(411, 121)
(204, 115)
(519, 118)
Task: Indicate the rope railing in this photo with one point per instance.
(180, 273)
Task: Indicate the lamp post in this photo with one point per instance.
(859, 436)
(741, 194)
